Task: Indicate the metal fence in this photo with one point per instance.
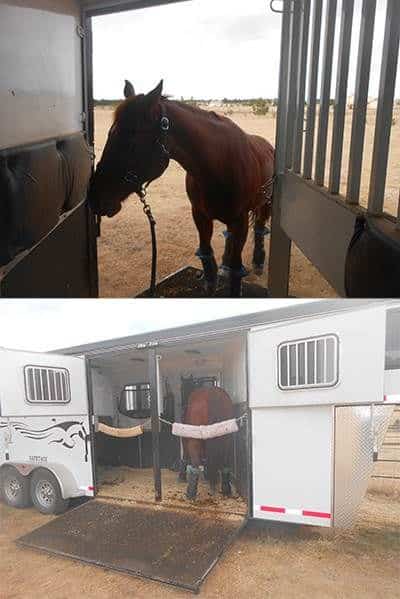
(309, 208)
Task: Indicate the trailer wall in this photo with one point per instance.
(40, 71)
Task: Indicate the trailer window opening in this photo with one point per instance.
(308, 363)
(135, 399)
(47, 385)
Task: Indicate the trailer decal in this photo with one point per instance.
(64, 433)
(293, 511)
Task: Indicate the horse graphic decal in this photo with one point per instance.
(65, 433)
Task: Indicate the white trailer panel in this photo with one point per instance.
(360, 360)
(292, 464)
(13, 390)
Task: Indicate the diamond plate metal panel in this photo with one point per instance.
(381, 420)
(357, 430)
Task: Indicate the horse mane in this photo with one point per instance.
(121, 108)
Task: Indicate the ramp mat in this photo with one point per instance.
(178, 547)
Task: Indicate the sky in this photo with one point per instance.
(41, 325)
(205, 49)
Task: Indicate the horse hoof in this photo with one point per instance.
(224, 272)
(210, 288)
(258, 269)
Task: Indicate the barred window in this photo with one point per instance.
(47, 385)
(308, 363)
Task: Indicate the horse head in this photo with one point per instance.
(135, 153)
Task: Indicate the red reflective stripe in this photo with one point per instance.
(90, 488)
(316, 514)
(270, 508)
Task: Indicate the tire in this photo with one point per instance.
(14, 487)
(46, 493)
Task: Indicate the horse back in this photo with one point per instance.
(207, 406)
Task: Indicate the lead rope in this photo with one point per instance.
(152, 223)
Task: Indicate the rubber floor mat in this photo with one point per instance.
(178, 547)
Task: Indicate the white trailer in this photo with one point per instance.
(318, 382)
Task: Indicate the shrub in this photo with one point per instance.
(260, 107)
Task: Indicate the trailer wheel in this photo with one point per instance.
(14, 488)
(46, 493)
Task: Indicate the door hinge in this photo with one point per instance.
(80, 31)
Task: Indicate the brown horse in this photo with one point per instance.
(208, 405)
(229, 174)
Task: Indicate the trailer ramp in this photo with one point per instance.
(177, 547)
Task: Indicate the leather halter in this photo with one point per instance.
(132, 177)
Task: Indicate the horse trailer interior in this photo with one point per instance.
(47, 232)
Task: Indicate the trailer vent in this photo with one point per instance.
(308, 363)
(47, 385)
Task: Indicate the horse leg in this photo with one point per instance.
(183, 463)
(226, 487)
(232, 259)
(260, 232)
(205, 252)
(193, 469)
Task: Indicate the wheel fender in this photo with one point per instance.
(68, 484)
(24, 469)
(67, 481)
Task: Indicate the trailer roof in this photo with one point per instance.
(239, 323)
(102, 7)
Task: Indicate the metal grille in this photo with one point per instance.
(47, 385)
(312, 46)
(322, 179)
(306, 363)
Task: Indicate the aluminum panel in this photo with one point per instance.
(40, 71)
(357, 430)
(381, 420)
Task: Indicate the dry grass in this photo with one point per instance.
(262, 562)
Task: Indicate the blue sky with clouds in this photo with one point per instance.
(205, 49)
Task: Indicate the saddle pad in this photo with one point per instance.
(205, 431)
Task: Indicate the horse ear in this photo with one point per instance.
(155, 95)
(129, 90)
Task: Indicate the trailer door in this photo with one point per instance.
(45, 416)
(298, 372)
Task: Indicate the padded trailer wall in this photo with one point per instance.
(47, 233)
(312, 384)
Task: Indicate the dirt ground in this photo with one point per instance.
(124, 246)
(361, 562)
